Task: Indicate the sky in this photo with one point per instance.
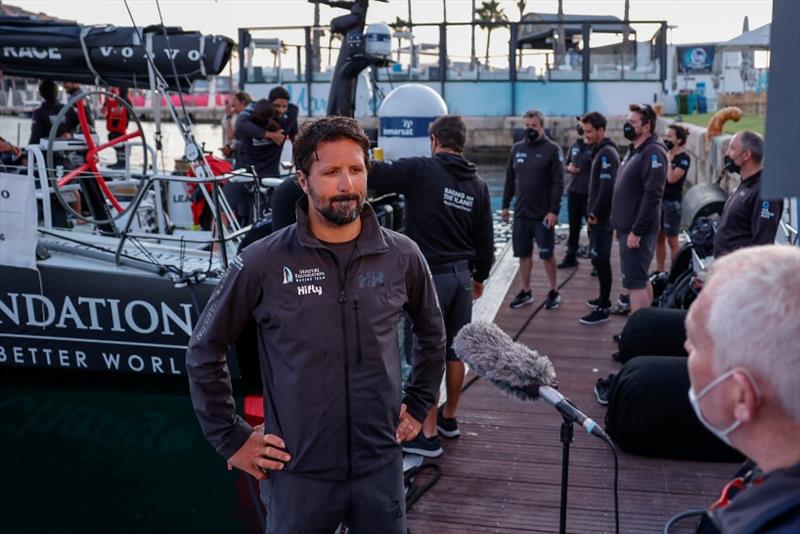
(696, 20)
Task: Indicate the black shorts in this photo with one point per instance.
(671, 217)
(525, 231)
(635, 263)
(453, 282)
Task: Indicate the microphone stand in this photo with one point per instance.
(566, 439)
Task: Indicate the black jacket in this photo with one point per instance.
(580, 155)
(43, 118)
(605, 163)
(773, 505)
(636, 206)
(747, 219)
(330, 360)
(448, 209)
(253, 149)
(535, 176)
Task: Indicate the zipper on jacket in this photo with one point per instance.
(359, 355)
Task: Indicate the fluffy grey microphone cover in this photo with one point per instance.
(494, 356)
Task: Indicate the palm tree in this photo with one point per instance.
(473, 58)
(489, 16)
(561, 44)
(399, 25)
(521, 4)
(316, 34)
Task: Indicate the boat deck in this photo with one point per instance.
(503, 474)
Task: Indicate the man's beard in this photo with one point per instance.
(338, 212)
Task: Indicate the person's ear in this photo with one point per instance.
(747, 397)
(302, 179)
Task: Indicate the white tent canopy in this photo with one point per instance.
(757, 39)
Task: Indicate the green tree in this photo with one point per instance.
(489, 16)
(399, 25)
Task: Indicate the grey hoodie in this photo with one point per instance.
(328, 347)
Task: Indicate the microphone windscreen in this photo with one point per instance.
(511, 366)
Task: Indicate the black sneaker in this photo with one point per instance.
(523, 298)
(567, 262)
(427, 447)
(448, 427)
(623, 300)
(553, 300)
(599, 315)
(584, 252)
(597, 303)
(603, 387)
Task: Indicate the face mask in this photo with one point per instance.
(580, 130)
(531, 135)
(731, 165)
(629, 131)
(694, 399)
(669, 144)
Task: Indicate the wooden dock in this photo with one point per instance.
(503, 474)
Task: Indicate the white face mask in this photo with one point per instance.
(694, 399)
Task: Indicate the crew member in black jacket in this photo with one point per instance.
(605, 162)
(579, 161)
(747, 219)
(535, 176)
(448, 214)
(636, 206)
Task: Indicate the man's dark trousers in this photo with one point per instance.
(577, 204)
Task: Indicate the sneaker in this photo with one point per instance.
(553, 300)
(567, 262)
(584, 252)
(448, 427)
(523, 298)
(617, 338)
(427, 447)
(600, 315)
(597, 303)
(603, 387)
(623, 300)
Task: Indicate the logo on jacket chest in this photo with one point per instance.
(301, 276)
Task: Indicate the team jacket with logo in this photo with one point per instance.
(328, 347)
(605, 163)
(448, 208)
(636, 206)
(580, 155)
(535, 176)
(747, 219)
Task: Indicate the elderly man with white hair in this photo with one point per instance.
(743, 339)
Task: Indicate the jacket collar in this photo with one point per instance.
(369, 241)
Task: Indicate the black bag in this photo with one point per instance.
(649, 413)
(653, 331)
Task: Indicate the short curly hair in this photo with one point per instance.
(325, 130)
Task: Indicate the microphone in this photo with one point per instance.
(516, 370)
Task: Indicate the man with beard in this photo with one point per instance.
(327, 294)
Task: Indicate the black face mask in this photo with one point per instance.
(730, 165)
(580, 130)
(531, 135)
(629, 131)
(669, 144)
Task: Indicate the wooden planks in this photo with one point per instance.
(504, 473)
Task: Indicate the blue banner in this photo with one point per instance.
(409, 127)
(695, 59)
